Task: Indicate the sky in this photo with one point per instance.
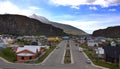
(88, 15)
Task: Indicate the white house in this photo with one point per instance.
(82, 41)
(100, 52)
(113, 43)
(2, 45)
(92, 43)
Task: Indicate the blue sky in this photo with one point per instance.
(88, 15)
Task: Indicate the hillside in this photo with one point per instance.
(22, 25)
(67, 28)
(108, 32)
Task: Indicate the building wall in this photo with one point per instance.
(92, 43)
(20, 58)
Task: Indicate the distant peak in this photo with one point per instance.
(34, 15)
(40, 18)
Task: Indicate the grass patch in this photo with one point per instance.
(8, 54)
(67, 57)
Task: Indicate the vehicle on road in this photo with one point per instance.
(57, 47)
(88, 61)
(80, 49)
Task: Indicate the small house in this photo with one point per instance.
(92, 43)
(113, 43)
(100, 52)
(27, 53)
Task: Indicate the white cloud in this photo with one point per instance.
(76, 3)
(93, 24)
(85, 25)
(9, 7)
(113, 1)
(34, 8)
(93, 8)
(75, 7)
(112, 10)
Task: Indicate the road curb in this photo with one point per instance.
(71, 54)
(47, 57)
(72, 61)
(93, 63)
(15, 63)
(28, 64)
(6, 60)
(62, 62)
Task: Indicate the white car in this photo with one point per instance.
(57, 47)
(88, 61)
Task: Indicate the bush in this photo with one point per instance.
(8, 54)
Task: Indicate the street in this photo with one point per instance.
(55, 60)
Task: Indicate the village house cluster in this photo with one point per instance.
(107, 49)
(27, 48)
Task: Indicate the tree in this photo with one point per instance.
(9, 54)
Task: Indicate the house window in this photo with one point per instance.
(22, 58)
(30, 57)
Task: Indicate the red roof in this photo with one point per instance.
(15, 48)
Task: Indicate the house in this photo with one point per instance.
(112, 53)
(92, 43)
(118, 39)
(27, 53)
(103, 42)
(53, 39)
(113, 43)
(2, 44)
(100, 52)
(66, 38)
(82, 40)
(15, 48)
(46, 47)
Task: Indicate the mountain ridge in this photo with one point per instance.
(67, 28)
(113, 32)
(22, 25)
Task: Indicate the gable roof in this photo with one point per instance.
(29, 48)
(15, 48)
(25, 54)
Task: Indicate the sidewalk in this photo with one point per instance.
(93, 63)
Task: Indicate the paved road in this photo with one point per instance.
(54, 61)
(57, 56)
(79, 58)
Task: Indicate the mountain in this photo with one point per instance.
(113, 32)
(40, 18)
(67, 28)
(22, 25)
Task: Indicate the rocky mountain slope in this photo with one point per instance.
(108, 32)
(22, 25)
(67, 28)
